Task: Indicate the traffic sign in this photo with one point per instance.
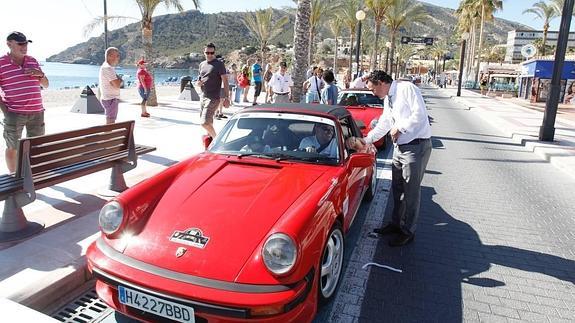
(428, 41)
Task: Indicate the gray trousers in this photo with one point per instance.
(408, 167)
(281, 98)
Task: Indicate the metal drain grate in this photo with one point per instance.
(84, 309)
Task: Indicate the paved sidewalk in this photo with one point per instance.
(521, 122)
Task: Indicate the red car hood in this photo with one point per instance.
(234, 203)
(364, 114)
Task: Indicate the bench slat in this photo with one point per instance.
(78, 151)
(53, 164)
(74, 142)
(35, 141)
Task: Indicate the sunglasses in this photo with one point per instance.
(209, 53)
(327, 129)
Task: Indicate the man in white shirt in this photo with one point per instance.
(322, 142)
(110, 84)
(405, 118)
(360, 82)
(281, 84)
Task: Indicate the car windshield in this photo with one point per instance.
(358, 98)
(280, 136)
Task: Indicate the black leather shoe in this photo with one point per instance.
(390, 228)
(402, 239)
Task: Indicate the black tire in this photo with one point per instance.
(332, 256)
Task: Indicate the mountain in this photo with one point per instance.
(178, 35)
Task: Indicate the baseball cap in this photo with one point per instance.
(18, 36)
(140, 62)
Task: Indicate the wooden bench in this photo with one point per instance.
(51, 159)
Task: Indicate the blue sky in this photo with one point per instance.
(55, 25)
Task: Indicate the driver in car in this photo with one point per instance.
(323, 141)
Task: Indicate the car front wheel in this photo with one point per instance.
(370, 193)
(331, 264)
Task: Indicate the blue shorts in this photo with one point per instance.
(143, 93)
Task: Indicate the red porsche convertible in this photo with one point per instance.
(365, 107)
(251, 229)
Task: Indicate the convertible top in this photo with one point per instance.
(334, 110)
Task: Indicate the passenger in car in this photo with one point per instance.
(323, 141)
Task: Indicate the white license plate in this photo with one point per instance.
(155, 305)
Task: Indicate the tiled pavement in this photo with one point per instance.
(495, 241)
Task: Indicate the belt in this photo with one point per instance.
(281, 93)
(416, 141)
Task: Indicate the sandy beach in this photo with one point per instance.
(67, 97)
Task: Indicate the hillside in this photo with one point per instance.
(178, 35)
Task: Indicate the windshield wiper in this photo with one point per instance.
(257, 155)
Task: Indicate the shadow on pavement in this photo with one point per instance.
(158, 159)
(445, 254)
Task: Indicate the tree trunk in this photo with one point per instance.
(480, 43)
(149, 57)
(545, 29)
(375, 51)
(392, 55)
(301, 47)
(335, 57)
(311, 47)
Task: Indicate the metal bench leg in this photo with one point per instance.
(13, 225)
(117, 182)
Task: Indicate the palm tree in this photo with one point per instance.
(335, 26)
(466, 23)
(437, 51)
(147, 8)
(319, 10)
(559, 5)
(300, 47)
(263, 28)
(378, 8)
(400, 13)
(545, 12)
(488, 7)
(347, 13)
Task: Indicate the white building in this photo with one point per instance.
(518, 38)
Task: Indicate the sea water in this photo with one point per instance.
(62, 76)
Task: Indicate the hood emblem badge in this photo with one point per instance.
(192, 237)
(181, 251)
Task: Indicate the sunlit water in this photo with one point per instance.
(79, 75)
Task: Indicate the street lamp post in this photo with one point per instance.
(547, 129)
(464, 38)
(359, 15)
(388, 46)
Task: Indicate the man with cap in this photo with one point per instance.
(281, 84)
(144, 86)
(110, 84)
(21, 80)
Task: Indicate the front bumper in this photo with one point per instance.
(211, 299)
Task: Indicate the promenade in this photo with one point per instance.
(494, 241)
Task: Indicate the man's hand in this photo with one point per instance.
(355, 143)
(226, 102)
(394, 133)
(34, 72)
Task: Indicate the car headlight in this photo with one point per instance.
(111, 217)
(279, 253)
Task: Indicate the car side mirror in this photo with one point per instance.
(361, 160)
(207, 141)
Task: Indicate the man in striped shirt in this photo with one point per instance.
(21, 79)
